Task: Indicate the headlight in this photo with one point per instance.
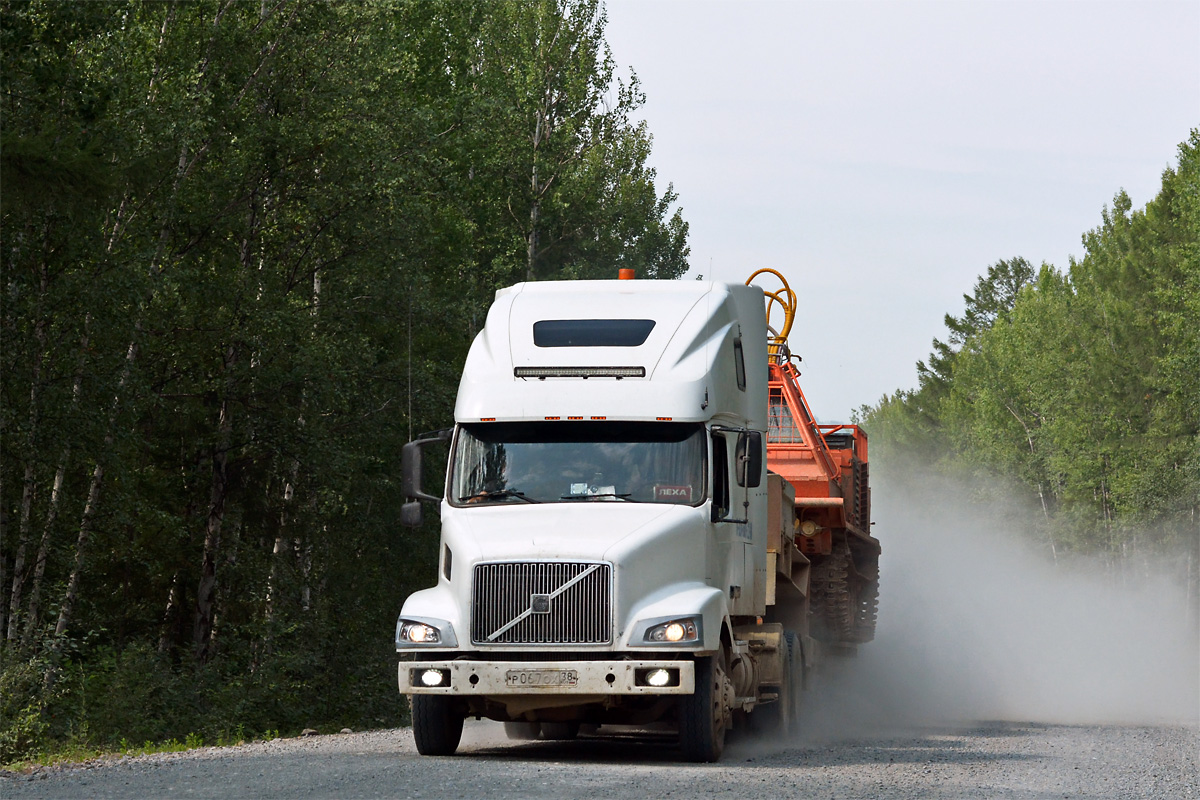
(675, 631)
(419, 633)
(424, 632)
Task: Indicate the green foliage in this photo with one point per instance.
(1082, 387)
(22, 725)
(246, 249)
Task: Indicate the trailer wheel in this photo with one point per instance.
(703, 715)
(437, 726)
(522, 731)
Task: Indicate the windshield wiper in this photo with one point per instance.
(624, 496)
(497, 495)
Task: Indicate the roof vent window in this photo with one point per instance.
(591, 332)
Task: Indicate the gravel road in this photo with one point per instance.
(986, 760)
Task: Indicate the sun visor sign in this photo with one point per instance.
(672, 494)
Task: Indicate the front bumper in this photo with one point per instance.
(494, 678)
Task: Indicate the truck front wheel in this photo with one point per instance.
(703, 716)
(437, 726)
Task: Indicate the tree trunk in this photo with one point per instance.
(283, 534)
(531, 249)
(39, 564)
(67, 608)
(4, 559)
(541, 131)
(1040, 490)
(304, 564)
(203, 626)
(18, 578)
(26, 513)
(32, 617)
(164, 631)
(273, 575)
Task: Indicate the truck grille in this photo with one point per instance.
(551, 602)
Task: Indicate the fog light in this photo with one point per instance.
(432, 677)
(658, 677)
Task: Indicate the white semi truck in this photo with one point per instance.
(613, 550)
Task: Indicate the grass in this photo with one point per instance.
(79, 752)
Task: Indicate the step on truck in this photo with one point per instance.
(641, 523)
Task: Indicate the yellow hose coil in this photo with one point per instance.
(777, 347)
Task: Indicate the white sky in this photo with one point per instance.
(882, 155)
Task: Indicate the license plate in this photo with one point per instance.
(541, 677)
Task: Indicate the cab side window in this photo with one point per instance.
(739, 364)
(720, 466)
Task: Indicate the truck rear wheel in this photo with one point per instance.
(703, 716)
(779, 717)
(437, 726)
(798, 679)
(522, 731)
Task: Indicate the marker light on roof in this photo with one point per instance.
(579, 372)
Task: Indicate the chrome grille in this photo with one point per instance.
(508, 603)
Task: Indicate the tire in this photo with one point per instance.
(834, 601)
(522, 731)
(779, 718)
(560, 731)
(798, 680)
(703, 717)
(437, 726)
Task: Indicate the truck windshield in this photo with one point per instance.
(568, 462)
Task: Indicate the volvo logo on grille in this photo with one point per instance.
(539, 603)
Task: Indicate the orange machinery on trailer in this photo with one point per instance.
(831, 558)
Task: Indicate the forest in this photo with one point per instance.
(1074, 394)
(246, 245)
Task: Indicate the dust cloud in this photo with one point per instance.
(975, 623)
(978, 623)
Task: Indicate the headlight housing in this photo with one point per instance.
(685, 630)
(419, 633)
(424, 632)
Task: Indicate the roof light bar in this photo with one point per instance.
(541, 373)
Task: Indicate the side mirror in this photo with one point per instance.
(750, 458)
(410, 465)
(411, 514)
(410, 471)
